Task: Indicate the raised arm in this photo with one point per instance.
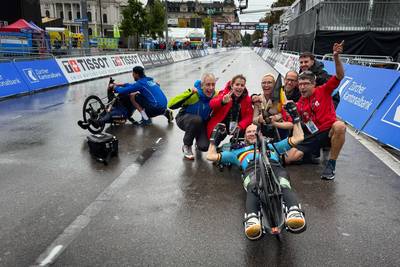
(337, 50)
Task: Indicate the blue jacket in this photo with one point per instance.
(192, 103)
(150, 90)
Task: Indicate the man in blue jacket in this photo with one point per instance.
(194, 113)
(146, 96)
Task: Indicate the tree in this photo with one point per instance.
(155, 19)
(246, 39)
(207, 27)
(274, 16)
(134, 20)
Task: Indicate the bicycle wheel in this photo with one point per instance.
(93, 107)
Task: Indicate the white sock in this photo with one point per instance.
(144, 115)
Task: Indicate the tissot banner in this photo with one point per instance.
(83, 68)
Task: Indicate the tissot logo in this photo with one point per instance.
(85, 64)
(74, 65)
(117, 61)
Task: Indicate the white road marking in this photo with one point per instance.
(76, 227)
(51, 255)
(387, 158)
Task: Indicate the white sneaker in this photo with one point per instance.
(187, 152)
(252, 226)
(295, 221)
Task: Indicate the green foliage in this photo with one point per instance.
(155, 19)
(133, 21)
(207, 25)
(257, 35)
(273, 18)
(246, 39)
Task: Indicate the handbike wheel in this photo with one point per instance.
(93, 107)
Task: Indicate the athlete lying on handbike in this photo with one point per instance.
(248, 162)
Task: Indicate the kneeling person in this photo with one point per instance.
(242, 157)
(194, 113)
(146, 96)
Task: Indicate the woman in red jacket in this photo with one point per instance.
(231, 107)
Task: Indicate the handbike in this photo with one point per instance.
(95, 108)
(269, 191)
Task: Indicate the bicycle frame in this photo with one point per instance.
(271, 201)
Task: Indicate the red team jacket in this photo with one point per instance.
(220, 111)
(319, 106)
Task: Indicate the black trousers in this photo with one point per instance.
(252, 197)
(194, 128)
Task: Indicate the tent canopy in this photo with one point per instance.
(21, 25)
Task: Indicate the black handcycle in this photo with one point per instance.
(95, 108)
(269, 191)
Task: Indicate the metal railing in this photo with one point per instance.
(348, 16)
(385, 62)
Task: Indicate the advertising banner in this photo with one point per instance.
(83, 68)
(163, 58)
(146, 61)
(40, 74)
(385, 123)
(169, 57)
(186, 55)
(10, 81)
(287, 62)
(361, 91)
(155, 59)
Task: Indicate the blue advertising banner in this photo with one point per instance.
(10, 81)
(361, 91)
(385, 123)
(40, 74)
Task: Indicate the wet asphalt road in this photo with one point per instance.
(150, 207)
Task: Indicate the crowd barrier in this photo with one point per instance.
(369, 97)
(25, 76)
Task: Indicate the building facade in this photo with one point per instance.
(102, 14)
(190, 13)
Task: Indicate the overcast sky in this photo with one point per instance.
(255, 5)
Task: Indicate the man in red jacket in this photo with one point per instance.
(317, 111)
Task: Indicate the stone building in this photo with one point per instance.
(102, 14)
(191, 13)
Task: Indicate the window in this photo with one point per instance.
(78, 15)
(61, 14)
(105, 18)
(69, 15)
(47, 13)
(89, 16)
(90, 31)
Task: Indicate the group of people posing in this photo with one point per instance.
(298, 116)
(299, 130)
